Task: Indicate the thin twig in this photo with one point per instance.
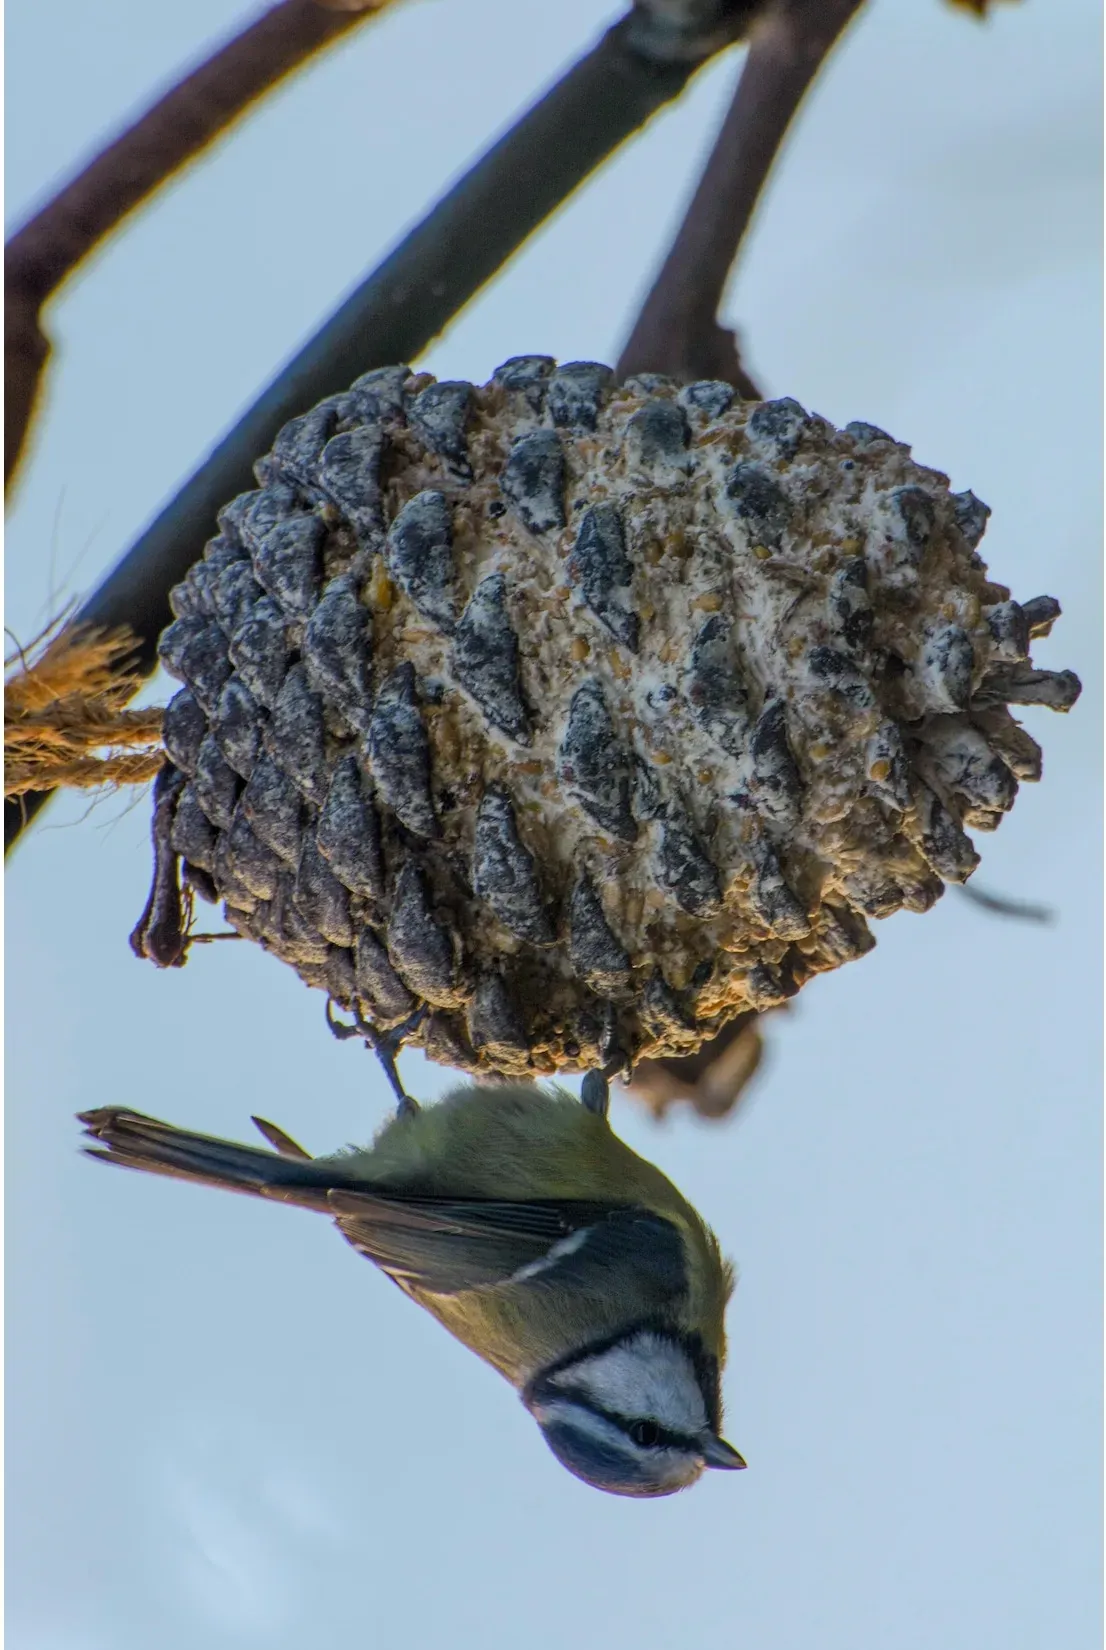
(677, 330)
(177, 128)
(465, 239)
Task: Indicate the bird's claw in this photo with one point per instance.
(384, 1044)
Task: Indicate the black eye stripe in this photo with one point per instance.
(661, 1437)
(658, 1437)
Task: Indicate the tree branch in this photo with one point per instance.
(410, 298)
(177, 128)
(677, 331)
(405, 303)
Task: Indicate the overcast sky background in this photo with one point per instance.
(223, 1428)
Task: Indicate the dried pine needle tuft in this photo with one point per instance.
(65, 718)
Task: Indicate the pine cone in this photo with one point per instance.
(589, 716)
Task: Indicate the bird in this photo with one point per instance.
(515, 1216)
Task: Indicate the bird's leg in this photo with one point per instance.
(385, 1045)
(595, 1093)
(595, 1090)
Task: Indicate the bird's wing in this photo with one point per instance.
(445, 1246)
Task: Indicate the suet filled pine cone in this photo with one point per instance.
(588, 716)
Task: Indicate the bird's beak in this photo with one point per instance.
(717, 1453)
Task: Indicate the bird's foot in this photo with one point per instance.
(384, 1044)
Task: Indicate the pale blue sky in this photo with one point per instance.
(223, 1428)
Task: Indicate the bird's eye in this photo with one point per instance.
(645, 1433)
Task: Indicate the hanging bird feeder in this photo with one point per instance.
(584, 716)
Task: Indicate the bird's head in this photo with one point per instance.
(633, 1416)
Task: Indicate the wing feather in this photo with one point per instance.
(448, 1245)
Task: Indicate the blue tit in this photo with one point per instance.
(516, 1217)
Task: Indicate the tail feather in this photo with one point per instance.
(137, 1142)
(279, 1141)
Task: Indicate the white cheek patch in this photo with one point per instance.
(648, 1377)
